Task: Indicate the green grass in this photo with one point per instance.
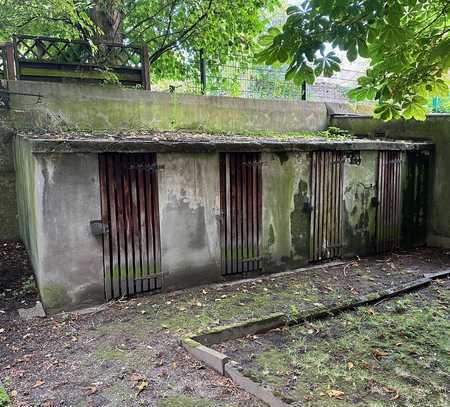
(4, 398)
(395, 356)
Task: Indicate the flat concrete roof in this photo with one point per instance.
(178, 141)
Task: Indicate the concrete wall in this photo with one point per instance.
(8, 207)
(89, 107)
(360, 188)
(286, 188)
(437, 129)
(59, 196)
(189, 207)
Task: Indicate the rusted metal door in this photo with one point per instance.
(388, 211)
(327, 175)
(241, 208)
(130, 215)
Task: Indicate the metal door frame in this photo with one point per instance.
(130, 218)
(241, 212)
(327, 203)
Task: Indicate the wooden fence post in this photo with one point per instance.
(9, 62)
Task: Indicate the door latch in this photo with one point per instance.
(98, 228)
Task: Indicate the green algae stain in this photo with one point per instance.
(300, 222)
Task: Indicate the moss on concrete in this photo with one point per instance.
(54, 296)
(359, 209)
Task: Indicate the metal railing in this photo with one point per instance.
(242, 76)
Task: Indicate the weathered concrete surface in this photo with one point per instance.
(286, 226)
(59, 196)
(360, 189)
(8, 207)
(437, 129)
(189, 208)
(76, 106)
(195, 142)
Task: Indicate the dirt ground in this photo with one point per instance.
(128, 354)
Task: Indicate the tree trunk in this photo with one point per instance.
(108, 18)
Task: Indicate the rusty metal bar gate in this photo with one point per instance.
(388, 211)
(241, 208)
(327, 175)
(130, 215)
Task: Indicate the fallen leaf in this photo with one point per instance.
(378, 353)
(13, 393)
(334, 393)
(91, 390)
(391, 390)
(143, 385)
(39, 382)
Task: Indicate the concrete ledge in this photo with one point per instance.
(260, 392)
(439, 274)
(208, 356)
(240, 329)
(177, 142)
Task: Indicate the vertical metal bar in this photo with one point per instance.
(223, 210)
(255, 211)
(121, 226)
(391, 187)
(159, 282)
(115, 256)
(228, 214)
(135, 222)
(398, 197)
(143, 256)
(317, 208)
(312, 179)
(145, 67)
(233, 214)
(341, 203)
(385, 201)
(127, 223)
(239, 212)
(149, 222)
(202, 72)
(330, 190)
(244, 213)
(333, 206)
(104, 202)
(322, 204)
(251, 213)
(259, 224)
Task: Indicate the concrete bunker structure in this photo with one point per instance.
(108, 216)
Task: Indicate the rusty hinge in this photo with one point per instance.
(98, 228)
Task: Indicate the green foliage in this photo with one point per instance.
(173, 30)
(335, 133)
(407, 42)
